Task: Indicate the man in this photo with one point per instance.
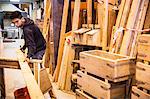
(34, 39)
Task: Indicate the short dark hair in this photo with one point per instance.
(16, 14)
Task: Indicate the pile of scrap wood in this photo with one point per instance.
(129, 25)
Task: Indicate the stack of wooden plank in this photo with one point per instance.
(142, 68)
(99, 33)
(104, 74)
(131, 16)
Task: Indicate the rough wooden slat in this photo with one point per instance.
(140, 23)
(89, 11)
(105, 29)
(33, 88)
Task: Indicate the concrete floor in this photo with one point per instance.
(14, 80)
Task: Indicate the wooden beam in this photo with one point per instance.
(89, 11)
(33, 88)
(117, 23)
(105, 29)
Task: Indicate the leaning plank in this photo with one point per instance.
(123, 22)
(117, 23)
(33, 88)
(140, 23)
(89, 11)
(63, 68)
(130, 24)
(105, 29)
(62, 39)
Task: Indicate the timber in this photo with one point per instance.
(32, 86)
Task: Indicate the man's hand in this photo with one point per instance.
(22, 49)
(27, 60)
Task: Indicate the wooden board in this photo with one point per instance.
(63, 67)
(62, 39)
(82, 95)
(139, 94)
(143, 74)
(123, 23)
(99, 88)
(130, 24)
(32, 86)
(107, 65)
(139, 25)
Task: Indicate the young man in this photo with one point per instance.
(33, 37)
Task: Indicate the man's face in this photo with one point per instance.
(18, 22)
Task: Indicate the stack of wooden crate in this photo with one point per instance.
(104, 75)
(142, 89)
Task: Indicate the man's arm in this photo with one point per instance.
(30, 43)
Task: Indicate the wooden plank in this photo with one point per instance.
(63, 67)
(33, 88)
(105, 29)
(89, 11)
(147, 19)
(81, 95)
(71, 51)
(9, 64)
(140, 23)
(46, 17)
(100, 89)
(123, 23)
(62, 39)
(100, 20)
(143, 73)
(139, 94)
(117, 23)
(130, 24)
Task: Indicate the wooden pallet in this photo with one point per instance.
(107, 65)
(100, 88)
(138, 93)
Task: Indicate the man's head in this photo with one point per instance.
(17, 19)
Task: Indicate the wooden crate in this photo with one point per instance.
(142, 75)
(92, 37)
(144, 47)
(107, 65)
(79, 35)
(100, 89)
(139, 94)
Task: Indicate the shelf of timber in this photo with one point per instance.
(142, 88)
(88, 35)
(104, 75)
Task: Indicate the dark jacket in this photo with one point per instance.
(33, 37)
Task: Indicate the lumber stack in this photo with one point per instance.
(142, 88)
(104, 74)
(101, 30)
(130, 21)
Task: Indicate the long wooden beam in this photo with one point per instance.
(33, 88)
